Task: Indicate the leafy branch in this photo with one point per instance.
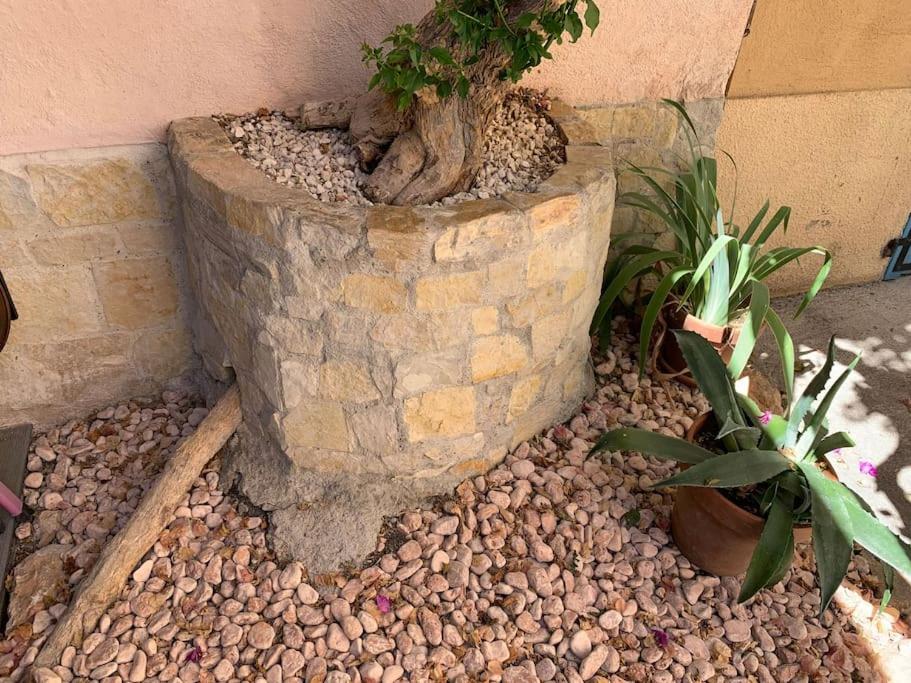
(404, 66)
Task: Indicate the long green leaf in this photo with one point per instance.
(730, 470)
(705, 264)
(833, 533)
(830, 443)
(785, 352)
(805, 402)
(658, 445)
(656, 302)
(636, 267)
(711, 376)
(782, 216)
(817, 284)
(755, 223)
(875, 536)
(809, 436)
(715, 309)
(749, 333)
(774, 550)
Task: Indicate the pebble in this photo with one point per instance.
(528, 573)
(522, 148)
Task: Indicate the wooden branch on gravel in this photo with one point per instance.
(120, 556)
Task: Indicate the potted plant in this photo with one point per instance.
(703, 283)
(753, 483)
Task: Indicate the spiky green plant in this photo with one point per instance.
(780, 456)
(714, 267)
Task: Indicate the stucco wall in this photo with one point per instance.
(840, 160)
(836, 45)
(82, 73)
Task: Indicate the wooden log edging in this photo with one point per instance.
(120, 556)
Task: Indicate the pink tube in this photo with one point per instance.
(10, 501)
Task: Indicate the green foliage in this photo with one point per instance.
(403, 66)
(778, 457)
(715, 266)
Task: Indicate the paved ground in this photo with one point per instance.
(875, 405)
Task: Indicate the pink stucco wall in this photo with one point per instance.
(83, 73)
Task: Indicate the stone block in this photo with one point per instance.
(548, 334)
(485, 320)
(256, 218)
(375, 428)
(374, 293)
(440, 413)
(137, 293)
(449, 291)
(507, 277)
(633, 121)
(94, 192)
(601, 121)
(497, 356)
(562, 211)
(536, 304)
(575, 285)
(47, 313)
(414, 374)
(300, 380)
(294, 336)
(147, 239)
(395, 235)
(547, 261)
(426, 332)
(524, 394)
(317, 424)
(347, 381)
(77, 247)
(164, 354)
(481, 230)
(18, 210)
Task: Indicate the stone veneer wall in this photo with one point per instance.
(387, 353)
(90, 250)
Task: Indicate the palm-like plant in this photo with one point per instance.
(779, 455)
(715, 266)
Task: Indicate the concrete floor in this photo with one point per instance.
(875, 404)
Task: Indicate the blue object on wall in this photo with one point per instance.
(900, 261)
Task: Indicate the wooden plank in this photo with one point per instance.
(14, 443)
(123, 552)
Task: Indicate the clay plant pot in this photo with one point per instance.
(714, 533)
(670, 357)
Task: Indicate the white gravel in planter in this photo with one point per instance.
(538, 571)
(523, 148)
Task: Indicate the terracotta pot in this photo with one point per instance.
(723, 339)
(714, 533)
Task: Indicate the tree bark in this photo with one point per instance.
(435, 148)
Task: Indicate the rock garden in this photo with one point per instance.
(438, 434)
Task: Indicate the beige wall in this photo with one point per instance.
(83, 73)
(823, 46)
(840, 160)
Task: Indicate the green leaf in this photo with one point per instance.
(817, 283)
(805, 402)
(833, 533)
(740, 468)
(573, 26)
(655, 304)
(635, 268)
(808, 437)
(781, 217)
(889, 581)
(592, 15)
(711, 376)
(632, 517)
(875, 536)
(831, 442)
(442, 55)
(785, 352)
(749, 333)
(658, 445)
(774, 551)
(462, 87)
(755, 223)
(748, 436)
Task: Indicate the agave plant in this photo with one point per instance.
(714, 267)
(780, 457)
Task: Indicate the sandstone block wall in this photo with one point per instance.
(90, 251)
(387, 353)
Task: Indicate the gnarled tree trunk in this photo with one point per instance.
(434, 148)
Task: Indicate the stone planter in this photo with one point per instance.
(385, 353)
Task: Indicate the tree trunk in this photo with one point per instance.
(436, 147)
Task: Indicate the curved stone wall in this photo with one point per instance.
(385, 353)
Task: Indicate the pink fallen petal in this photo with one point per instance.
(383, 603)
(867, 467)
